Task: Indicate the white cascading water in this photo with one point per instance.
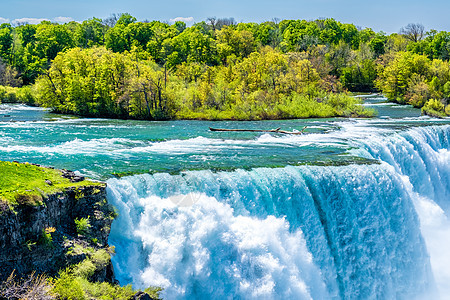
(422, 157)
(308, 232)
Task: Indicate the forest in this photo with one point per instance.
(220, 69)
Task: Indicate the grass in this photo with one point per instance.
(75, 281)
(26, 184)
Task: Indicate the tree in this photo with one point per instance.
(52, 39)
(26, 34)
(111, 20)
(217, 24)
(8, 75)
(413, 32)
(126, 19)
(6, 40)
(117, 38)
(90, 33)
(404, 70)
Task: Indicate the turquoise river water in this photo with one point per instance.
(353, 209)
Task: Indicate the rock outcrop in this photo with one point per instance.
(39, 238)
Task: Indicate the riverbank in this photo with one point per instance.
(56, 223)
(259, 106)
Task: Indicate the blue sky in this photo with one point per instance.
(385, 15)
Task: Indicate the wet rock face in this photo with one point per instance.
(37, 237)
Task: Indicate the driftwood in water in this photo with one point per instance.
(260, 130)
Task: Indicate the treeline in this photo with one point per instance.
(264, 85)
(218, 69)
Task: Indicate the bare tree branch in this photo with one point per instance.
(413, 31)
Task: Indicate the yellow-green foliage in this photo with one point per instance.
(265, 85)
(262, 85)
(104, 290)
(26, 184)
(83, 225)
(67, 286)
(415, 79)
(99, 82)
(46, 236)
(14, 94)
(74, 282)
(434, 108)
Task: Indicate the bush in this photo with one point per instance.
(46, 237)
(434, 108)
(74, 282)
(17, 95)
(67, 286)
(83, 226)
(85, 269)
(104, 290)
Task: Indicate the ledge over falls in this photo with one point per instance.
(46, 216)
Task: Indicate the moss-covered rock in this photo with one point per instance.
(37, 218)
(57, 223)
(28, 184)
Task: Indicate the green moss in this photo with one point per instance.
(26, 184)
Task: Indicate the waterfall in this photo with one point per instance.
(303, 232)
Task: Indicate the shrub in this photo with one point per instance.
(67, 286)
(83, 226)
(434, 108)
(104, 290)
(14, 94)
(46, 237)
(85, 269)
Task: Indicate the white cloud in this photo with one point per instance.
(30, 20)
(3, 20)
(63, 19)
(60, 20)
(183, 19)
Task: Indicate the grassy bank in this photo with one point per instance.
(57, 223)
(27, 183)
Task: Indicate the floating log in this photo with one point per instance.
(277, 130)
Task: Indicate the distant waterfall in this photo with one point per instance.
(307, 232)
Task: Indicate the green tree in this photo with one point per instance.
(6, 41)
(52, 39)
(90, 33)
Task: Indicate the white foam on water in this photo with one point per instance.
(103, 146)
(204, 249)
(235, 242)
(361, 239)
(20, 107)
